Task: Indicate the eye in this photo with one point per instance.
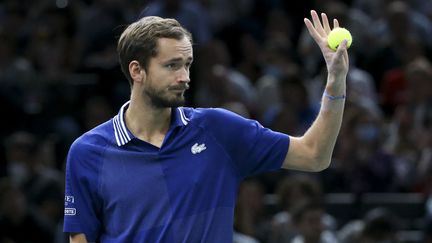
(170, 65)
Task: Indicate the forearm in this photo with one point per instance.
(77, 238)
(322, 135)
(313, 150)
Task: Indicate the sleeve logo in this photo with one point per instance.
(69, 201)
(70, 211)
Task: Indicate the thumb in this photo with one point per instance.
(341, 48)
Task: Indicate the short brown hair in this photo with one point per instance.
(139, 40)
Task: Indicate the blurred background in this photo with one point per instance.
(59, 77)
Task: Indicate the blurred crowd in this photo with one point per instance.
(59, 77)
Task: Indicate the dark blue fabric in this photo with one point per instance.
(140, 193)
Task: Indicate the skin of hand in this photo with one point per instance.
(313, 150)
(337, 62)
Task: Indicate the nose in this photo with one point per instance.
(183, 75)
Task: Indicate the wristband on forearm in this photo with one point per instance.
(331, 97)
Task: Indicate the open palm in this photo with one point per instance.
(337, 61)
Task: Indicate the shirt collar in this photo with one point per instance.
(123, 135)
(179, 117)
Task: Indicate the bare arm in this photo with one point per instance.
(313, 151)
(77, 238)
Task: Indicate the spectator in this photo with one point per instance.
(308, 221)
(380, 226)
(293, 192)
(189, 13)
(250, 216)
(17, 223)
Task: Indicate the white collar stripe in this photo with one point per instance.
(187, 119)
(115, 132)
(123, 127)
(122, 139)
(183, 114)
(123, 133)
(120, 131)
(183, 117)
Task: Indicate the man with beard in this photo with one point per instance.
(158, 172)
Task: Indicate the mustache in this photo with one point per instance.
(179, 87)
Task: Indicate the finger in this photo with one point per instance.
(345, 53)
(341, 49)
(317, 23)
(325, 23)
(342, 53)
(346, 57)
(312, 31)
(335, 23)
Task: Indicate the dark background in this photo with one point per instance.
(59, 77)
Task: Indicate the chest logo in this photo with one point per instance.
(196, 149)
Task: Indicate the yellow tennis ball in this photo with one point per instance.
(337, 35)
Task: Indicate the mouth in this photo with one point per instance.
(178, 91)
(180, 88)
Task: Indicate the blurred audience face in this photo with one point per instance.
(298, 190)
(13, 203)
(251, 195)
(398, 18)
(418, 75)
(21, 155)
(308, 220)
(311, 226)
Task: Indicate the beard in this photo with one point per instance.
(167, 98)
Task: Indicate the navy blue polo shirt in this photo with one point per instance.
(122, 189)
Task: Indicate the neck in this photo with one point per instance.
(147, 122)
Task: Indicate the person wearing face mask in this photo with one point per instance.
(372, 161)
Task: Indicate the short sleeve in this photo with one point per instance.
(253, 148)
(82, 200)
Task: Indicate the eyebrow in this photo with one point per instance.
(179, 59)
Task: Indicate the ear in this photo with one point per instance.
(136, 72)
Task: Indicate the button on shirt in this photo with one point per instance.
(122, 189)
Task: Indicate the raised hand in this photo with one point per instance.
(337, 61)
